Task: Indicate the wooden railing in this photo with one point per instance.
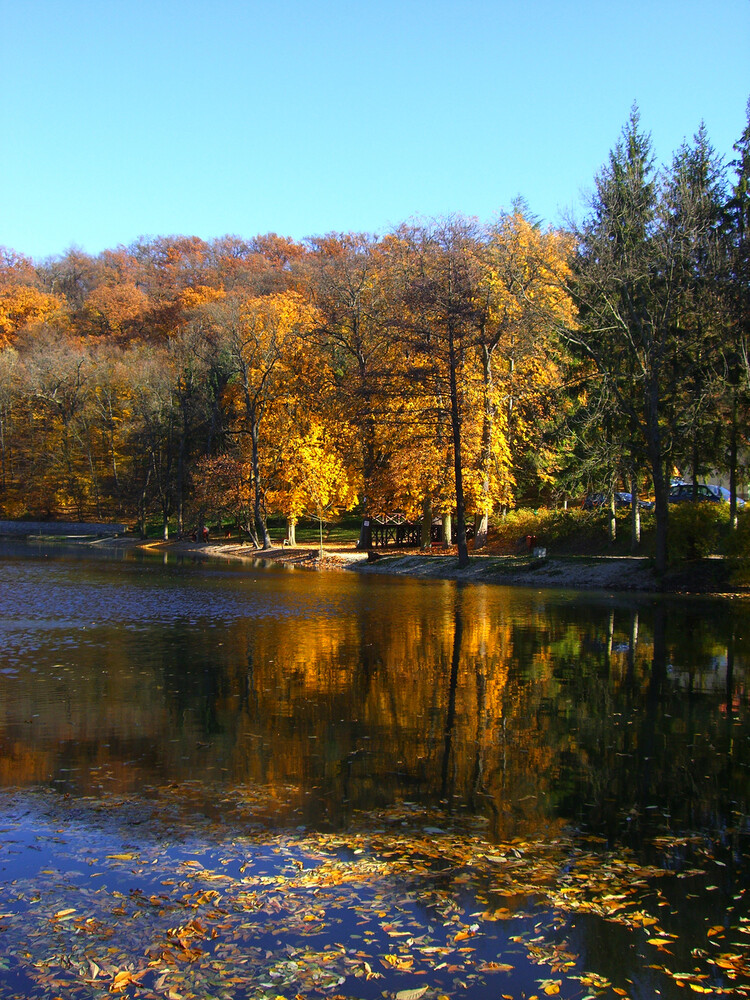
(394, 530)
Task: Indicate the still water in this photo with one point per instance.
(236, 781)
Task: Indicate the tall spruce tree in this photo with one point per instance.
(691, 204)
(622, 288)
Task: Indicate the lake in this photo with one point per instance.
(225, 780)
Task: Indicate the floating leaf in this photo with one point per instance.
(411, 994)
(495, 967)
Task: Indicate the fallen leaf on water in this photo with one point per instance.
(727, 961)
(411, 994)
(463, 936)
(397, 962)
(500, 914)
(125, 978)
(593, 979)
(550, 986)
(495, 967)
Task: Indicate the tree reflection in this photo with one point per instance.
(524, 709)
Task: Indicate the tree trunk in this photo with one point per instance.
(733, 466)
(611, 519)
(365, 532)
(463, 551)
(447, 531)
(291, 531)
(635, 515)
(488, 421)
(656, 460)
(261, 528)
(180, 485)
(695, 467)
(426, 532)
(481, 530)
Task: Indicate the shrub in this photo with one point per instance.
(551, 528)
(696, 529)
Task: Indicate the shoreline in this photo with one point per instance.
(710, 577)
(705, 577)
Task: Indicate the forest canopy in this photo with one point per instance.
(449, 367)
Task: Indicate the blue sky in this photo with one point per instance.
(128, 118)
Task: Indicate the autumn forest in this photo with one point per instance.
(445, 366)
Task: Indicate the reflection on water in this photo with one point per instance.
(351, 693)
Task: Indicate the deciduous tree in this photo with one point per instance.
(260, 334)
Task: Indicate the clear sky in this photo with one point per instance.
(128, 118)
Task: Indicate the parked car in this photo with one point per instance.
(596, 500)
(723, 494)
(686, 492)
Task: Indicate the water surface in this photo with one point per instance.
(542, 782)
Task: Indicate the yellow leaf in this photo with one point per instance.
(121, 980)
(64, 913)
(411, 994)
(725, 963)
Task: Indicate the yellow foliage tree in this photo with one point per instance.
(261, 335)
(519, 306)
(315, 480)
(21, 305)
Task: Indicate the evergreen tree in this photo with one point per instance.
(622, 287)
(691, 205)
